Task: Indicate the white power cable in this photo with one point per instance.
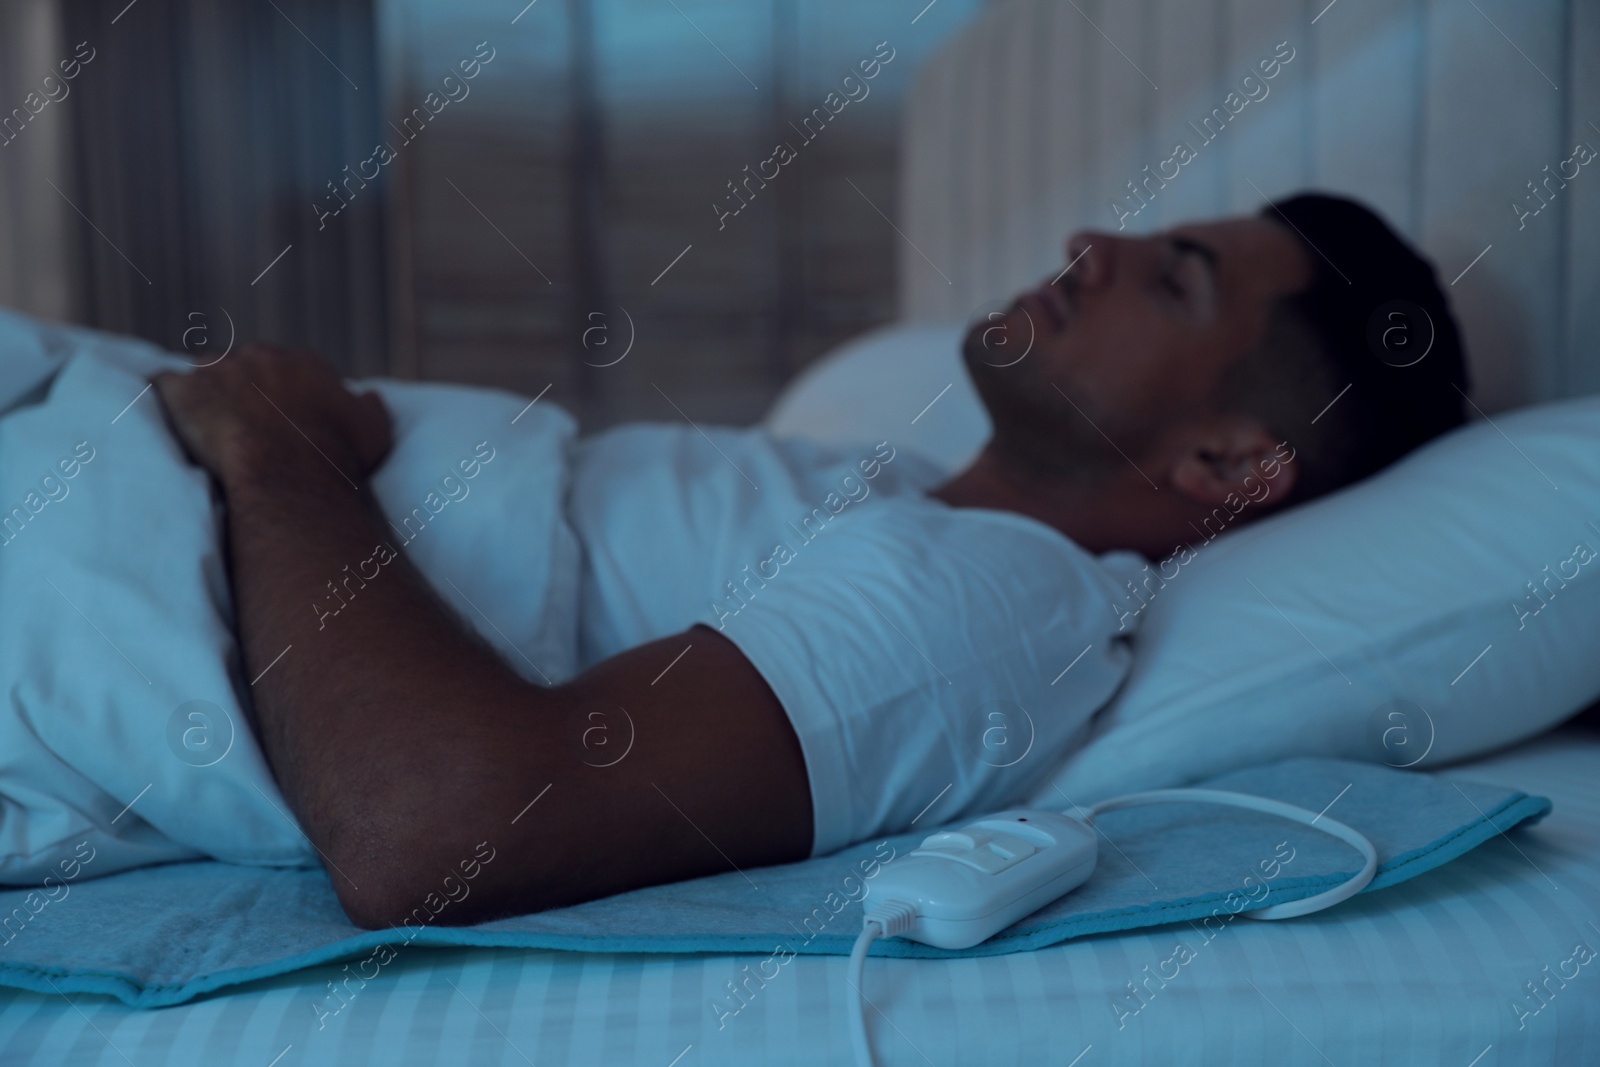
(1327, 899)
(858, 1018)
(894, 917)
(888, 919)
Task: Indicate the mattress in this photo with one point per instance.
(1490, 960)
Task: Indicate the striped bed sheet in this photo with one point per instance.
(1463, 966)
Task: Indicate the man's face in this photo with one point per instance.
(1127, 345)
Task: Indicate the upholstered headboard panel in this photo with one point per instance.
(1439, 113)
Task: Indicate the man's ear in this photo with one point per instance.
(1236, 456)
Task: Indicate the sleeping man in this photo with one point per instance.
(811, 646)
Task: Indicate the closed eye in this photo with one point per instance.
(1171, 263)
(1196, 293)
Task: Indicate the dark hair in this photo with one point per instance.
(1365, 363)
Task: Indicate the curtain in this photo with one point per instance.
(36, 268)
(202, 137)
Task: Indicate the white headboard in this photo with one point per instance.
(1436, 112)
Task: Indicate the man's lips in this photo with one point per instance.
(1050, 299)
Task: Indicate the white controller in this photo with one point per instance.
(969, 884)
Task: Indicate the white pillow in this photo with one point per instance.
(903, 383)
(1445, 608)
(1381, 623)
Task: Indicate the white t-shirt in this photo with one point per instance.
(934, 661)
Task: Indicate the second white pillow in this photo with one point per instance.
(1444, 608)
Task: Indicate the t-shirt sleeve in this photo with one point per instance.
(933, 661)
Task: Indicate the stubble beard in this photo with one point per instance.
(1037, 431)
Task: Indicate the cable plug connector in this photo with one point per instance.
(892, 918)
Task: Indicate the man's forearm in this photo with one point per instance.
(348, 705)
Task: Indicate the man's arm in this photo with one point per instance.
(403, 743)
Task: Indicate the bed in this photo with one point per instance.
(1437, 970)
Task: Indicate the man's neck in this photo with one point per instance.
(1093, 513)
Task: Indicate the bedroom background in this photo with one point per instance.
(516, 237)
(575, 200)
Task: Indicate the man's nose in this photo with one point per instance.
(1091, 255)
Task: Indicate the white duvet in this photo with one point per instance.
(124, 722)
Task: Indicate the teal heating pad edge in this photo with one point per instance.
(163, 935)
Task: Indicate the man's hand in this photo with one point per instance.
(252, 411)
